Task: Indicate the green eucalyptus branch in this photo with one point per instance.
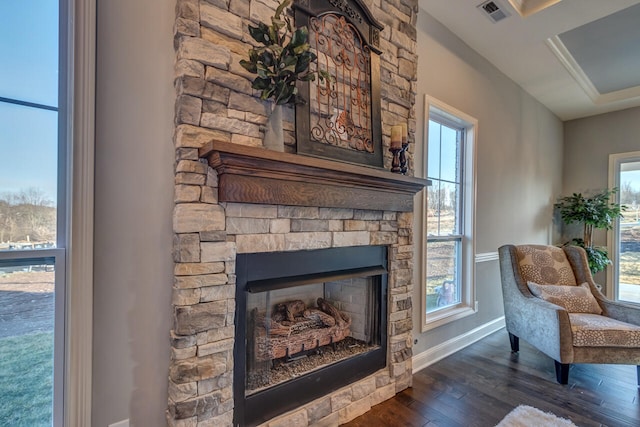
(283, 58)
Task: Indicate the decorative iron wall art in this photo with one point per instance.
(341, 118)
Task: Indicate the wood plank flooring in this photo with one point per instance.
(482, 383)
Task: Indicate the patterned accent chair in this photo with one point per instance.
(569, 320)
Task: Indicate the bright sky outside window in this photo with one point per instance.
(29, 73)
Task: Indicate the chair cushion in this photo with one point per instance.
(547, 265)
(593, 330)
(574, 299)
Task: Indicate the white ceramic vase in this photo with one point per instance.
(274, 134)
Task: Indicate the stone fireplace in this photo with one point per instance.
(233, 199)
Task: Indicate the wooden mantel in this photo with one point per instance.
(256, 175)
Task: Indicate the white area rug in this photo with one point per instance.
(527, 416)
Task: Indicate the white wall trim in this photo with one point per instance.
(564, 56)
(81, 101)
(440, 351)
(487, 256)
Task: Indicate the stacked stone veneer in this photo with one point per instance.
(215, 101)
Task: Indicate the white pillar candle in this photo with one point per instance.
(396, 136)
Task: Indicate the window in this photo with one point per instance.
(624, 240)
(45, 343)
(448, 209)
(32, 240)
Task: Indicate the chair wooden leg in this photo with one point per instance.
(515, 342)
(562, 372)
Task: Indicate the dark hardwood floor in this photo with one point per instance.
(482, 383)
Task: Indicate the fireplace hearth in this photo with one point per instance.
(307, 323)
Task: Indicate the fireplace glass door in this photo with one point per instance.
(296, 330)
(307, 323)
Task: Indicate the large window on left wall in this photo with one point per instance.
(32, 214)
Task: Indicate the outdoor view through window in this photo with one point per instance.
(629, 263)
(444, 221)
(28, 209)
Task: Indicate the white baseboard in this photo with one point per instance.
(440, 351)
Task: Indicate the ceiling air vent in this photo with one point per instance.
(493, 11)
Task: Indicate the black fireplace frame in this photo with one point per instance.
(259, 271)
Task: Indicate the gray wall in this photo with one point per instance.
(587, 145)
(133, 204)
(519, 161)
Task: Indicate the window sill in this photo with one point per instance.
(442, 317)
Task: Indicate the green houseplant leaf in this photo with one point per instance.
(596, 211)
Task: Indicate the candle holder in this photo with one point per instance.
(403, 153)
(395, 162)
(402, 157)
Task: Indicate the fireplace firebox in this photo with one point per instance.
(307, 323)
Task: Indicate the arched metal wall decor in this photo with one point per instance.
(341, 119)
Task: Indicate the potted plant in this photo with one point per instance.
(282, 59)
(595, 212)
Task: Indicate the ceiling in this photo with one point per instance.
(577, 57)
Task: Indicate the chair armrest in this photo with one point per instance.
(623, 312)
(542, 324)
(628, 313)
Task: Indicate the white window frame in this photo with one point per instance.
(613, 237)
(79, 21)
(468, 304)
